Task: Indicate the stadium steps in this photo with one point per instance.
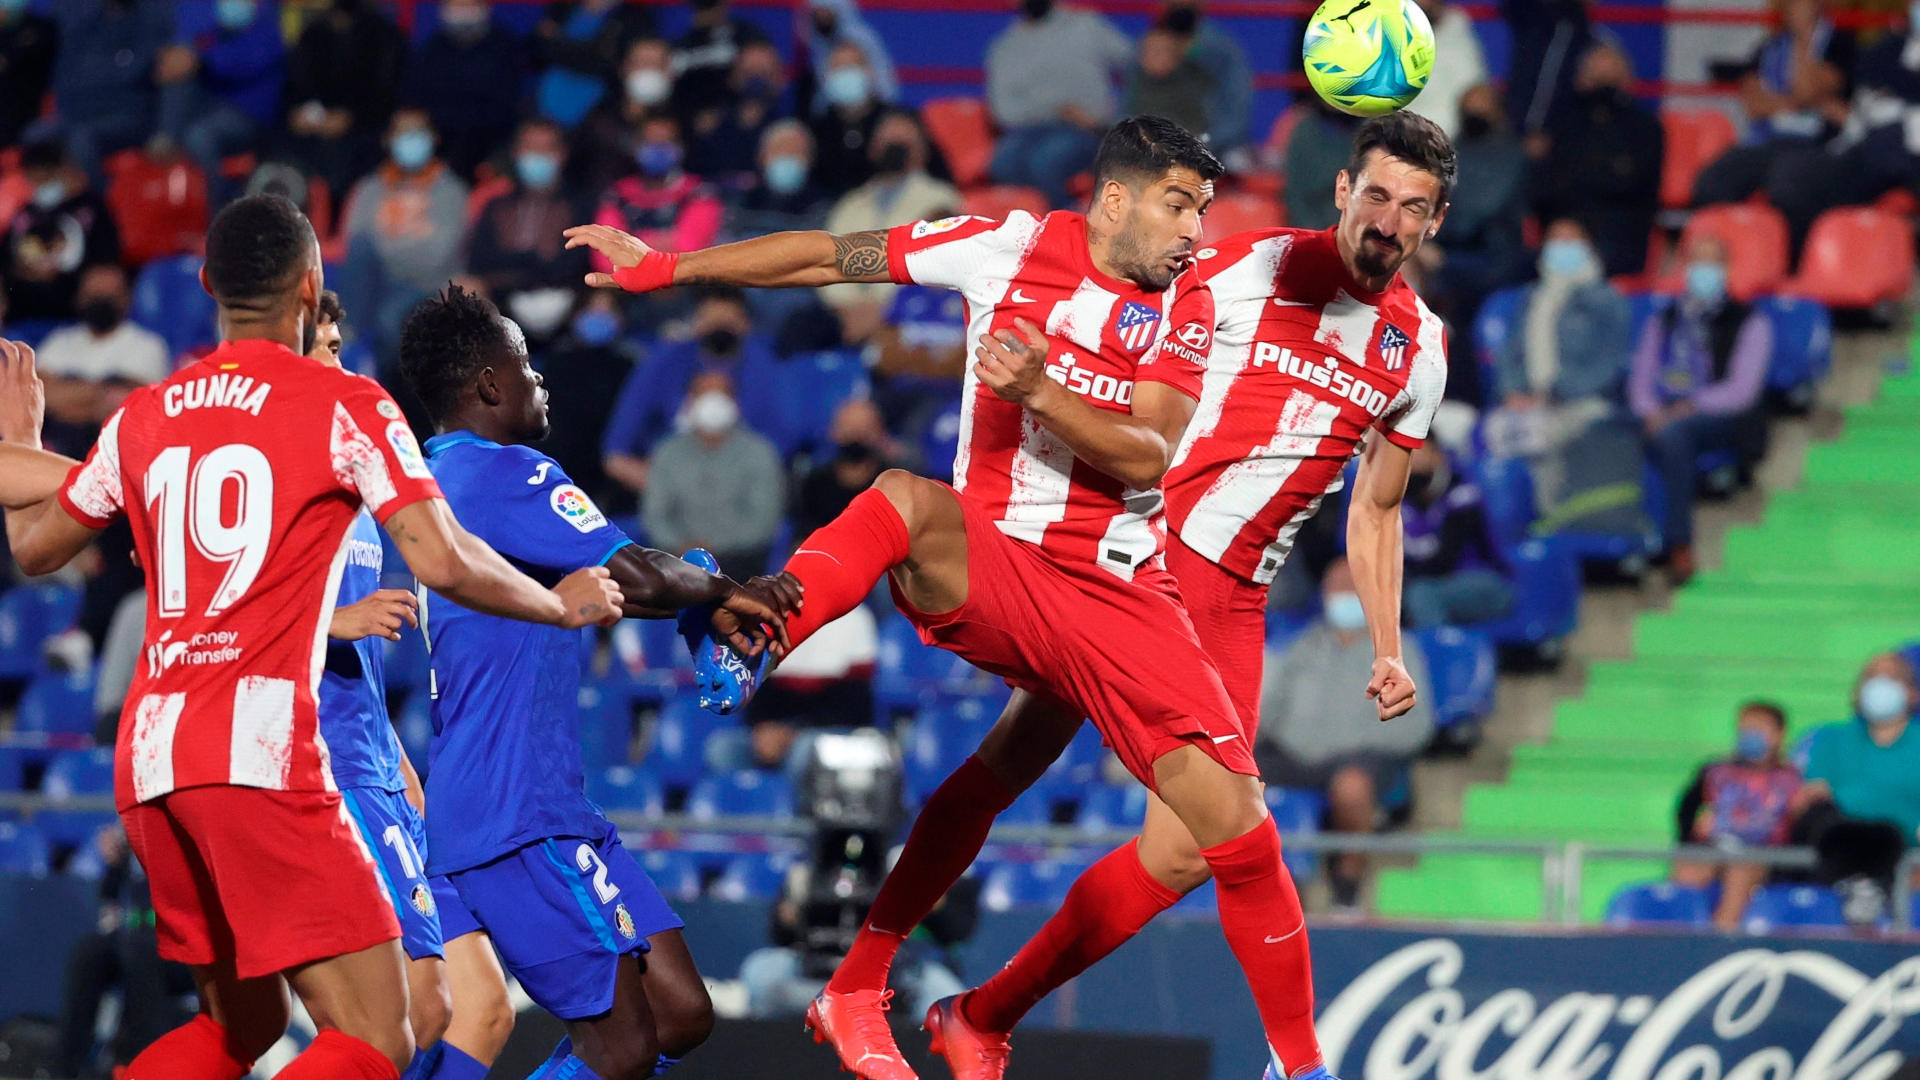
(1823, 579)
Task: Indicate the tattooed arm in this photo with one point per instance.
(780, 260)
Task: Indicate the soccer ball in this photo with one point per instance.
(1368, 57)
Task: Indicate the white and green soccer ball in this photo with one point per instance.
(1368, 57)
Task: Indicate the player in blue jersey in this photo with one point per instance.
(382, 792)
(535, 863)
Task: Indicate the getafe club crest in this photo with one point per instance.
(624, 922)
(421, 899)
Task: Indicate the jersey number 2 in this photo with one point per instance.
(588, 859)
(187, 504)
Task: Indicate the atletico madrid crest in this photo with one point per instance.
(1135, 325)
(1393, 347)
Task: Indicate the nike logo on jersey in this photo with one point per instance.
(1281, 301)
(1021, 298)
(1218, 739)
(540, 474)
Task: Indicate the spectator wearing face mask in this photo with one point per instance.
(1602, 162)
(469, 75)
(64, 228)
(726, 138)
(1320, 731)
(342, 82)
(660, 202)
(1697, 376)
(901, 190)
(1050, 87)
(1454, 571)
(723, 341)
(28, 44)
(825, 25)
(587, 365)
(843, 128)
(517, 250)
(716, 483)
(578, 47)
(90, 367)
(1454, 38)
(784, 196)
(1745, 801)
(705, 54)
(221, 83)
(644, 87)
(406, 228)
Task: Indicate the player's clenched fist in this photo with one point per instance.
(591, 596)
(757, 612)
(381, 614)
(1014, 366)
(1391, 688)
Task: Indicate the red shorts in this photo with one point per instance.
(268, 879)
(1229, 616)
(1121, 652)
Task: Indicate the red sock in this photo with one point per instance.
(1260, 914)
(196, 1050)
(1109, 904)
(842, 559)
(950, 831)
(336, 1055)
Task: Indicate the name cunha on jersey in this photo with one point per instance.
(216, 391)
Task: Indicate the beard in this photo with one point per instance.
(1145, 269)
(1374, 261)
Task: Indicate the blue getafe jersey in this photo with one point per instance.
(505, 761)
(361, 743)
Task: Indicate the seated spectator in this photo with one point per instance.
(1229, 102)
(1318, 730)
(716, 484)
(89, 368)
(704, 55)
(28, 41)
(64, 228)
(1741, 802)
(1321, 145)
(103, 75)
(342, 81)
(843, 128)
(1454, 571)
(516, 249)
(901, 190)
(220, 86)
(1559, 377)
(723, 341)
(1454, 38)
(1793, 92)
(1697, 377)
(1861, 805)
(784, 195)
(605, 142)
(825, 25)
(406, 228)
(1168, 80)
(726, 140)
(661, 203)
(1602, 163)
(862, 449)
(1050, 87)
(469, 76)
(586, 367)
(578, 47)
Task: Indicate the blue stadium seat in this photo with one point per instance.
(1284, 626)
(1507, 488)
(623, 787)
(815, 385)
(908, 670)
(675, 872)
(1498, 318)
(57, 703)
(606, 723)
(16, 762)
(1297, 810)
(23, 850)
(1802, 345)
(1041, 884)
(1659, 903)
(1033, 807)
(1546, 595)
(1793, 907)
(1078, 768)
(1110, 807)
(77, 773)
(29, 615)
(1461, 665)
(752, 877)
(1642, 306)
(677, 752)
(745, 793)
(168, 300)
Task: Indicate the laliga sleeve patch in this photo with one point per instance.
(407, 451)
(388, 409)
(576, 509)
(924, 229)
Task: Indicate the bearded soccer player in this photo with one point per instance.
(242, 474)
(1319, 341)
(1042, 563)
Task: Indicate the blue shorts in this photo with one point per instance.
(396, 835)
(563, 912)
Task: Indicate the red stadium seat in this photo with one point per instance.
(1898, 201)
(160, 206)
(1237, 212)
(998, 200)
(1755, 237)
(1855, 257)
(1695, 137)
(962, 130)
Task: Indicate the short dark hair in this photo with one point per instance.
(1775, 715)
(330, 308)
(257, 248)
(1413, 139)
(43, 154)
(1140, 150)
(447, 340)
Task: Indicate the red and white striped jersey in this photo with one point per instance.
(1304, 361)
(1105, 335)
(241, 476)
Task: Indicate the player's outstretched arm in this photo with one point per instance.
(454, 563)
(1374, 543)
(1134, 448)
(659, 585)
(28, 474)
(776, 261)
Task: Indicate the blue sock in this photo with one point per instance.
(562, 1065)
(453, 1063)
(422, 1065)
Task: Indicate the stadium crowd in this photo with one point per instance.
(1602, 376)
